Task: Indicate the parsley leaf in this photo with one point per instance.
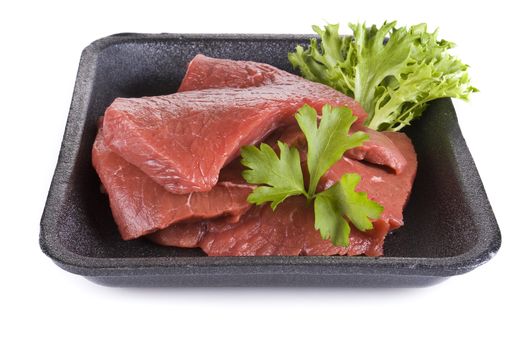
(341, 199)
(392, 72)
(282, 175)
(327, 142)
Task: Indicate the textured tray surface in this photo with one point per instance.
(450, 228)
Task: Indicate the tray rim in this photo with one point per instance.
(487, 245)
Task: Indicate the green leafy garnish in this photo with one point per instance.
(392, 72)
(331, 205)
(327, 143)
(279, 177)
(282, 175)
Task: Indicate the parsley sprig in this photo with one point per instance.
(279, 177)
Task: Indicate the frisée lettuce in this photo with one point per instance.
(392, 72)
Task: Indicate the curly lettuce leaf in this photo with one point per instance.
(392, 72)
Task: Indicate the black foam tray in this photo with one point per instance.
(449, 227)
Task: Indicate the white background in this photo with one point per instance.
(42, 306)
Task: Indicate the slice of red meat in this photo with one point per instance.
(185, 235)
(213, 73)
(287, 231)
(261, 231)
(181, 141)
(378, 149)
(141, 206)
(290, 229)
